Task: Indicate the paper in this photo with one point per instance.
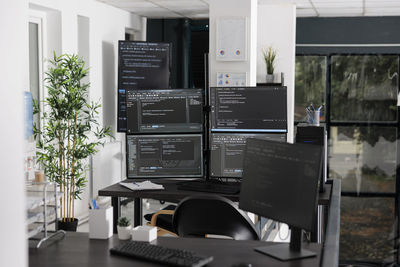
(231, 78)
(146, 185)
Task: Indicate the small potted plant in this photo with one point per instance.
(269, 57)
(124, 228)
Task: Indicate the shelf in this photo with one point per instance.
(37, 216)
(41, 210)
(34, 199)
(34, 229)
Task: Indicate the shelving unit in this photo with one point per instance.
(42, 206)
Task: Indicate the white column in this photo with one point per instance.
(234, 8)
(277, 28)
(14, 80)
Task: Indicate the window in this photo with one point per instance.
(35, 61)
(362, 122)
(310, 81)
(364, 88)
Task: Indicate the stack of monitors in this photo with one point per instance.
(239, 113)
(164, 133)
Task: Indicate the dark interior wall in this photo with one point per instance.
(384, 31)
(189, 40)
(170, 31)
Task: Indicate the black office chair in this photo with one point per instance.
(197, 216)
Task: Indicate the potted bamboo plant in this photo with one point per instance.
(70, 132)
(269, 57)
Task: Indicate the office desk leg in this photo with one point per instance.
(116, 212)
(137, 212)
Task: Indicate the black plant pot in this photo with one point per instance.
(68, 226)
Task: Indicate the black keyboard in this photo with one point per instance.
(163, 255)
(210, 187)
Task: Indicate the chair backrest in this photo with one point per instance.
(211, 214)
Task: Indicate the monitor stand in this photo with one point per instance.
(291, 251)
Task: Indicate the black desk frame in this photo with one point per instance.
(171, 194)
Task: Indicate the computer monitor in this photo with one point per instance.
(248, 109)
(227, 152)
(280, 182)
(141, 65)
(156, 156)
(164, 111)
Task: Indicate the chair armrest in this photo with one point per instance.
(154, 217)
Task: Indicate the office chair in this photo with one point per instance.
(162, 219)
(212, 214)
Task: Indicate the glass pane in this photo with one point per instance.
(34, 64)
(364, 158)
(366, 229)
(310, 84)
(364, 88)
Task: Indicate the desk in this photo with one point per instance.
(76, 249)
(171, 194)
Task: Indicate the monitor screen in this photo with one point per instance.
(165, 156)
(141, 65)
(248, 109)
(280, 181)
(227, 151)
(164, 111)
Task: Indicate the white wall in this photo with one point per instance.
(14, 80)
(277, 27)
(106, 26)
(234, 8)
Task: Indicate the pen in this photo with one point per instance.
(135, 183)
(94, 204)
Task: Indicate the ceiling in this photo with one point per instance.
(196, 9)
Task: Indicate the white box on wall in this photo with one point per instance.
(101, 223)
(231, 39)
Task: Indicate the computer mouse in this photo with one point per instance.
(242, 264)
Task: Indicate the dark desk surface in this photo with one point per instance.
(172, 194)
(76, 250)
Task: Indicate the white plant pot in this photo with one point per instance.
(269, 78)
(124, 233)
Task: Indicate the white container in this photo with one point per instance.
(144, 233)
(124, 232)
(101, 223)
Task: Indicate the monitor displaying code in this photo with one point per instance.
(165, 156)
(248, 109)
(227, 152)
(280, 181)
(141, 65)
(165, 111)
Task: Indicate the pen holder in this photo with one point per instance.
(101, 223)
(313, 117)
